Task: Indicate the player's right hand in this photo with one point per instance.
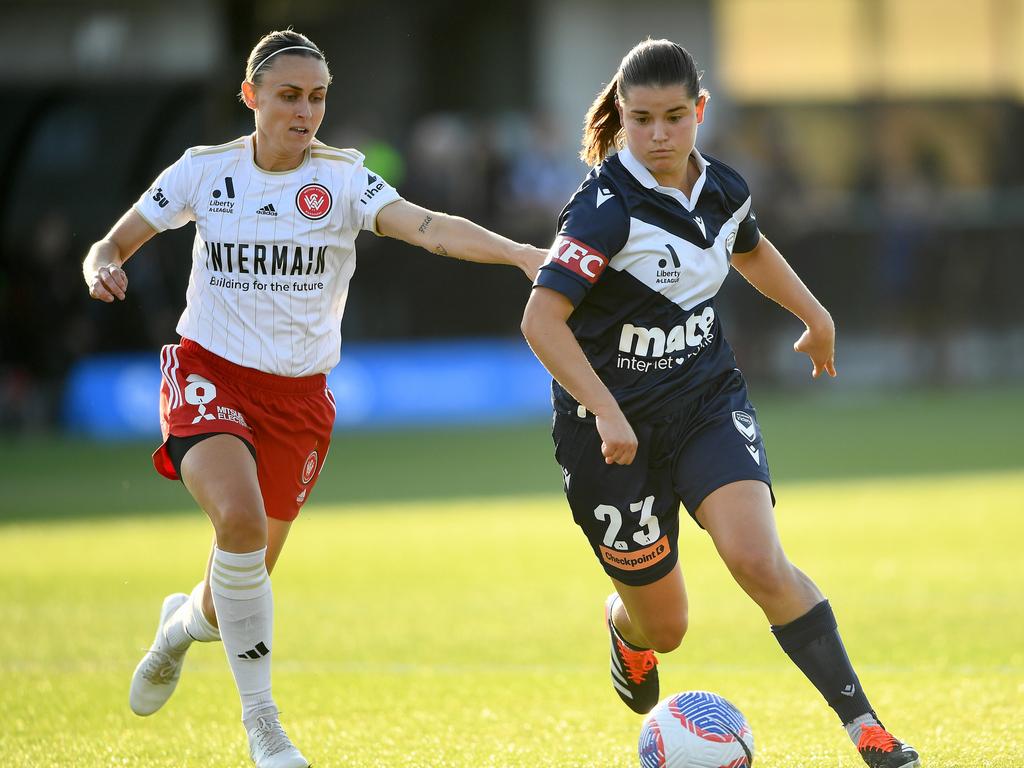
(107, 283)
(618, 441)
(819, 344)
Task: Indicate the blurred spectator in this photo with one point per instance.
(43, 330)
(539, 176)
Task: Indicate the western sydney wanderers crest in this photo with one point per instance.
(309, 468)
(313, 201)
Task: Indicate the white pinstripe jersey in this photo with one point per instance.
(274, 251)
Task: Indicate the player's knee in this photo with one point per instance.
(667, 634)
(240, 527)
(761, 572)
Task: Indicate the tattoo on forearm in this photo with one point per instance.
(426, 223)
(441, 250)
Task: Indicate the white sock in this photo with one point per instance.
(855, 726)
(189, 623)
(245, 612)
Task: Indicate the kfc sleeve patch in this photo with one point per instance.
(579, 258)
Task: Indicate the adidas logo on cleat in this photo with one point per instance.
(255, 653)
(267, 210)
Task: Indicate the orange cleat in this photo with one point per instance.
(880, 749)
(634, 670)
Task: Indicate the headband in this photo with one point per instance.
(281, 50)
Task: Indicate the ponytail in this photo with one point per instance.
(602, 125)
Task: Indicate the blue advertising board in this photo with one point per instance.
(394, 384)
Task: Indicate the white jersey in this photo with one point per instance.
(274, 251)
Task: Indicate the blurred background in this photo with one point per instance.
(881, 140)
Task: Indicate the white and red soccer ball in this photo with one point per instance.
(696, 729)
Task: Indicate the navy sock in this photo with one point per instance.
(813, 643)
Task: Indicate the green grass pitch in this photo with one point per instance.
(467, 631)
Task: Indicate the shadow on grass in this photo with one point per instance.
(817, 437)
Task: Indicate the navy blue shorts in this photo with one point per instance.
(630, 514)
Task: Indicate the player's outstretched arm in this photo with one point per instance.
(103, 266)
(456, 237)
(552, 341)
(767, 270)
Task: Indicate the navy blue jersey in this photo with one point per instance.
(642, 265)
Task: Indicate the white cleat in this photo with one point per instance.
(270, 747)
(157, 675)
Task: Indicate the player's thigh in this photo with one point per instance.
(220, 473)
(740, 519)
(629, 513)
(657, 608)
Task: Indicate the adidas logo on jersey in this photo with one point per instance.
(267, 210)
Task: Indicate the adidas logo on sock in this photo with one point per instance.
(255, 653)
(267, 210)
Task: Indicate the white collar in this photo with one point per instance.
(645, 177)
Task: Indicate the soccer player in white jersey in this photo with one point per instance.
(245, 410)
(650, 409)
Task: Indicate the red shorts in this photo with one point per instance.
(287, 420)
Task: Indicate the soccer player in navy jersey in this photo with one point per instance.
(650, 408)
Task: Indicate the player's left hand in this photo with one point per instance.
(818, 342)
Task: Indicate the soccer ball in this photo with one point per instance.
(696, 729)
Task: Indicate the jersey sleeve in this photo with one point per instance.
(167, 204)
(368, 193)
(748, 235)
(593, 228)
